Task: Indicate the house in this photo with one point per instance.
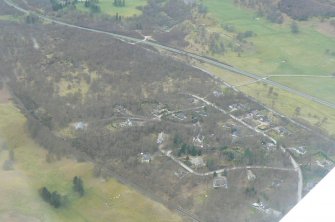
(160, 138)
(127, 123)
(251, 176)
(220, 182)
(80, 125)
(217, 94)
(235, 107)
(270, 146)
(180, 116)
(198, 141)
(197, 162)
(145, 158)
(258, 205)
(281, 130)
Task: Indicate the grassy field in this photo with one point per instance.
(18, 188)
(10, 18)
(107, 7)
(286, 103)
(279, 52)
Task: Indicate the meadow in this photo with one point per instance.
(107, 7)
(285, 103)
(104, 200)
(277, 51)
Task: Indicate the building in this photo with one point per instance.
(160, 138)
(145, 158)
(80, 125)
(198, 141)
(220, 182)
(197, 162)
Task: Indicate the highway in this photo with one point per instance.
(181, 52)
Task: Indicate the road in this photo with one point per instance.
(295, 165)
(209, 173)
(180, 52)
(199, 58)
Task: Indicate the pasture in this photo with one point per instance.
(277, 51)
(107, 7)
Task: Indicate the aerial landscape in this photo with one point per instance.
(164, 110)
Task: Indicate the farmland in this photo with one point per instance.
(277, 51)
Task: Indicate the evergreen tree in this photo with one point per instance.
(78, 185)
(294, 27)
(55, 199)
(45, 194)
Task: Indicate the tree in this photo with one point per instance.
(202, 9)
(11, 155)
(248, 155)
(78, 185)
(297, 111)
(7, 165)
(45, 194)
(270, 90)
(211, 164)
(119, 3)
(118, 17)
(294, 27)
(55, 199)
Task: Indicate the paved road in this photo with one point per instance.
(200, 58)
(209, 173)
(181, 52)
(295, 165)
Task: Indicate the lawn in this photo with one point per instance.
(278, 51)
(18, 188)
(107, 7)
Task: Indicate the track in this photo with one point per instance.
(180, 52)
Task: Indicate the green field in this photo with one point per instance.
(10, 18)
(18, 188)
(285, 103)
(279, 52)
(107, 7)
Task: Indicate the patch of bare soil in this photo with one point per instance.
(4, 95)
(326, 28)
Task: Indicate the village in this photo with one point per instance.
(223, 139)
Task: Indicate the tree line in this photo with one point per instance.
(55, 199)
